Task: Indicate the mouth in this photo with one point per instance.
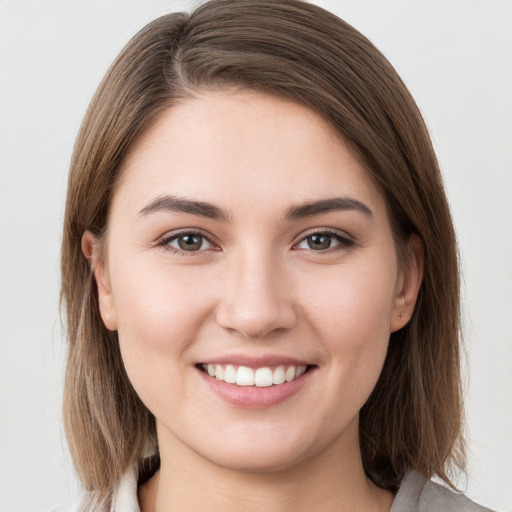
(263, 377)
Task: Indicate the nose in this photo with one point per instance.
(256, 298)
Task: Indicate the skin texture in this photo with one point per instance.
(257, 288)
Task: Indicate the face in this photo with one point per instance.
(251, 274)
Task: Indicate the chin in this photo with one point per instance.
(257, 461)
(262, 450)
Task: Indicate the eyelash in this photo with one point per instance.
(344, 241)
(164, 242)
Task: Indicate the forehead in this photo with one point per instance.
(244, 149)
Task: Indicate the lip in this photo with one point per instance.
(255, 362)
(253, 397)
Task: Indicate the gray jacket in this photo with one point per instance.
(416, 494)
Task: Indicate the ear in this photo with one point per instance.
(91, 247)
(408, 283)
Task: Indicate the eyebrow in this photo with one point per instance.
(183, 205)
(327, 205)
(204, 209)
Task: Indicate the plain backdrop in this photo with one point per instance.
(455, 56)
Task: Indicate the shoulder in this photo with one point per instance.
(418, 494)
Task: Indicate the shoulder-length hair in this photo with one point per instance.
(298, 51)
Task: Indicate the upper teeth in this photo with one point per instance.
(260, 377)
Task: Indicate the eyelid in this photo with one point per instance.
(345, 240)
(164, 240)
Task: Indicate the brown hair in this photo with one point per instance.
(296, 50)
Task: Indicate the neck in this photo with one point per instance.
(331, 481)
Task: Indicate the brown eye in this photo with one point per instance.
(323, 241)
(189, 242)
(319, 242)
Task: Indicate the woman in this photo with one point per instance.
(260, 275)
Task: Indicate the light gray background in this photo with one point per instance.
(456, 57)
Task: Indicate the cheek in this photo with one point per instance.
(351, 313)
(352, 303)
(159, 313)
(155, 302)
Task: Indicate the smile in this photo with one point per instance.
(258, 377)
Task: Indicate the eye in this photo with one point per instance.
(186, 242)
(323, 241)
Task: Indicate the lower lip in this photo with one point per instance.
(253, 396)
